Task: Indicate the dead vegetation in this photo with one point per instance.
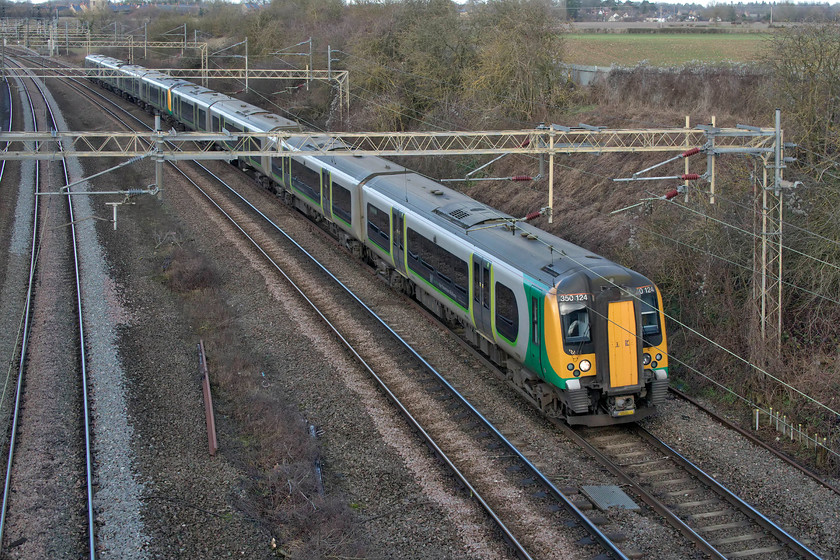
(275, 445)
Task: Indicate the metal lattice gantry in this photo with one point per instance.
(548, 140)
(764, 143)
(340, 78)
(768, 249)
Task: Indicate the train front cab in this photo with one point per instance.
(610, 351)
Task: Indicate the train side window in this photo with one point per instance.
(443, 270)
(233, 129)
(217, 126)
(650, 315)
(378, 227)
(507, 312)
(187, 111)
(277, 167)
(202, 119)
(306, 181)
(576, 327)
(341, 203)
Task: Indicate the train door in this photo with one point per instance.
(397, 236)
(619, 355)
(481, 296)
(622, 337)
(326, 195)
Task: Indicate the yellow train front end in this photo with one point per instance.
(608, 351)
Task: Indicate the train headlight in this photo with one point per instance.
(570, 367)
(585, 365)
(654, 364)
(646, 358)
(658, 357)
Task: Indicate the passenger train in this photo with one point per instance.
(580, 336)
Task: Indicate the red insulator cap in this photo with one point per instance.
(691, 152)
(521, 178)
(533, 215)
(525, 143)
(671, 194)
(690, 176)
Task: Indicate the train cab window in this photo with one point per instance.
(378, 227)
(306, 181)
(341, 203)
(507, 312)
(440, 268)
(576, 327)
(650, 315)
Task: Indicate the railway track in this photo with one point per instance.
(735, 538)
(441, 411)
(47, 508)
(706, 512)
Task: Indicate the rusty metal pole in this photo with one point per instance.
(212, 442)
(159, 159)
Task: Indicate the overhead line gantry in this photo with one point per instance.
(551, 141)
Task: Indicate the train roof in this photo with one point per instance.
(106, 61)
(251, 117)
(539, 254)
(164, 81)
(199, 95)
(135, 70)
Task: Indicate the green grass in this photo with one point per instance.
(662, 49)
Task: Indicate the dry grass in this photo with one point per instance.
(275, 446)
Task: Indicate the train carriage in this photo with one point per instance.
(191, 105)
(580, 336)
(233, 115)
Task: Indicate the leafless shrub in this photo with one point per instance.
(188, 272)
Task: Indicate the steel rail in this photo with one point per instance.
(82, 351)
(474, 493)
(9, 124)
(24, 340)
(658, 506)
(759, 518)
(753, 439)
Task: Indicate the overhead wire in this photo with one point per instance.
(743, 231)
(712, 342)
(739, 265)
(787, 224)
